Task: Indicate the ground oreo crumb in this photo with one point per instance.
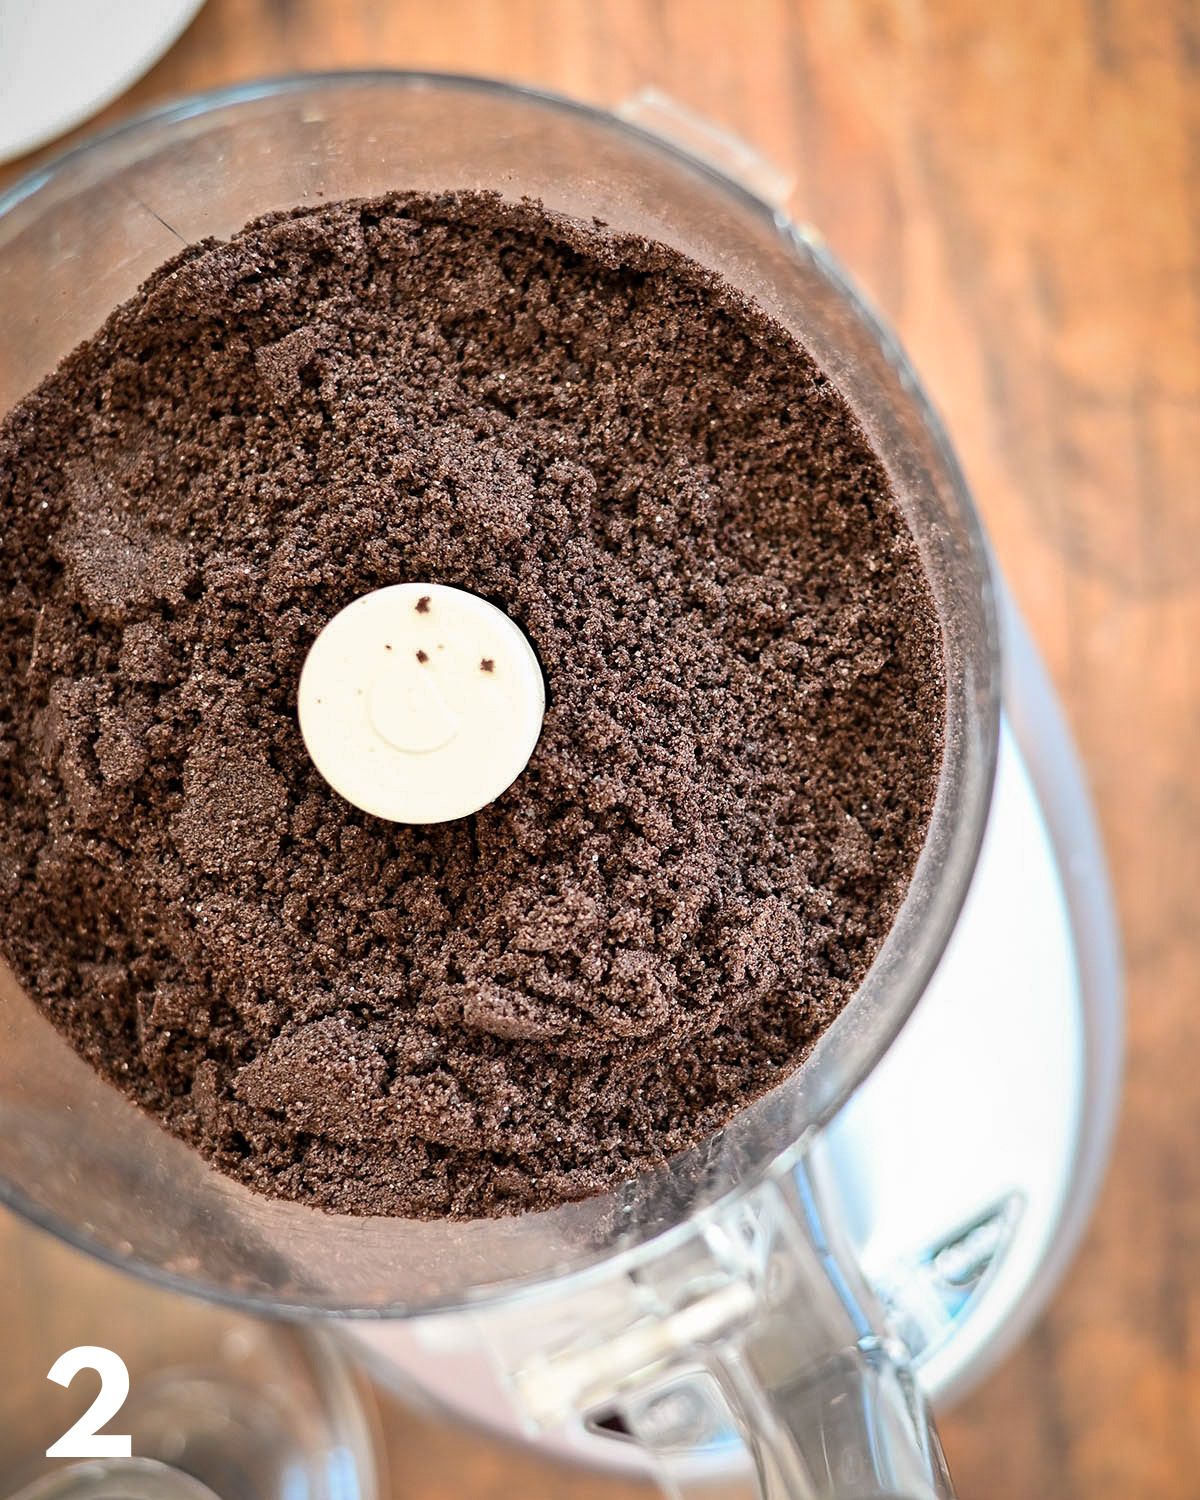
(739, 754)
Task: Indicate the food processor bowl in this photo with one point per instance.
(76, 238)
(722, 1271)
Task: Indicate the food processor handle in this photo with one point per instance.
(831, 1403)
(792, 1351)
(854, 1428)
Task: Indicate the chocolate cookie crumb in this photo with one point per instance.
(739, 753)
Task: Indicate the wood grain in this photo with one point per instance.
(1018, 187)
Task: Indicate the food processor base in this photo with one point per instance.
(966, 1164)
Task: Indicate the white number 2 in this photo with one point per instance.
(82, 1440)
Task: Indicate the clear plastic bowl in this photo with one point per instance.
(76, 238)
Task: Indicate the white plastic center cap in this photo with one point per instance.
(421, 703)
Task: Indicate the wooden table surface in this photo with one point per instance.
(1018, 187)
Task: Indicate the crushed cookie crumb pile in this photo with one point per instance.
(735, 772)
